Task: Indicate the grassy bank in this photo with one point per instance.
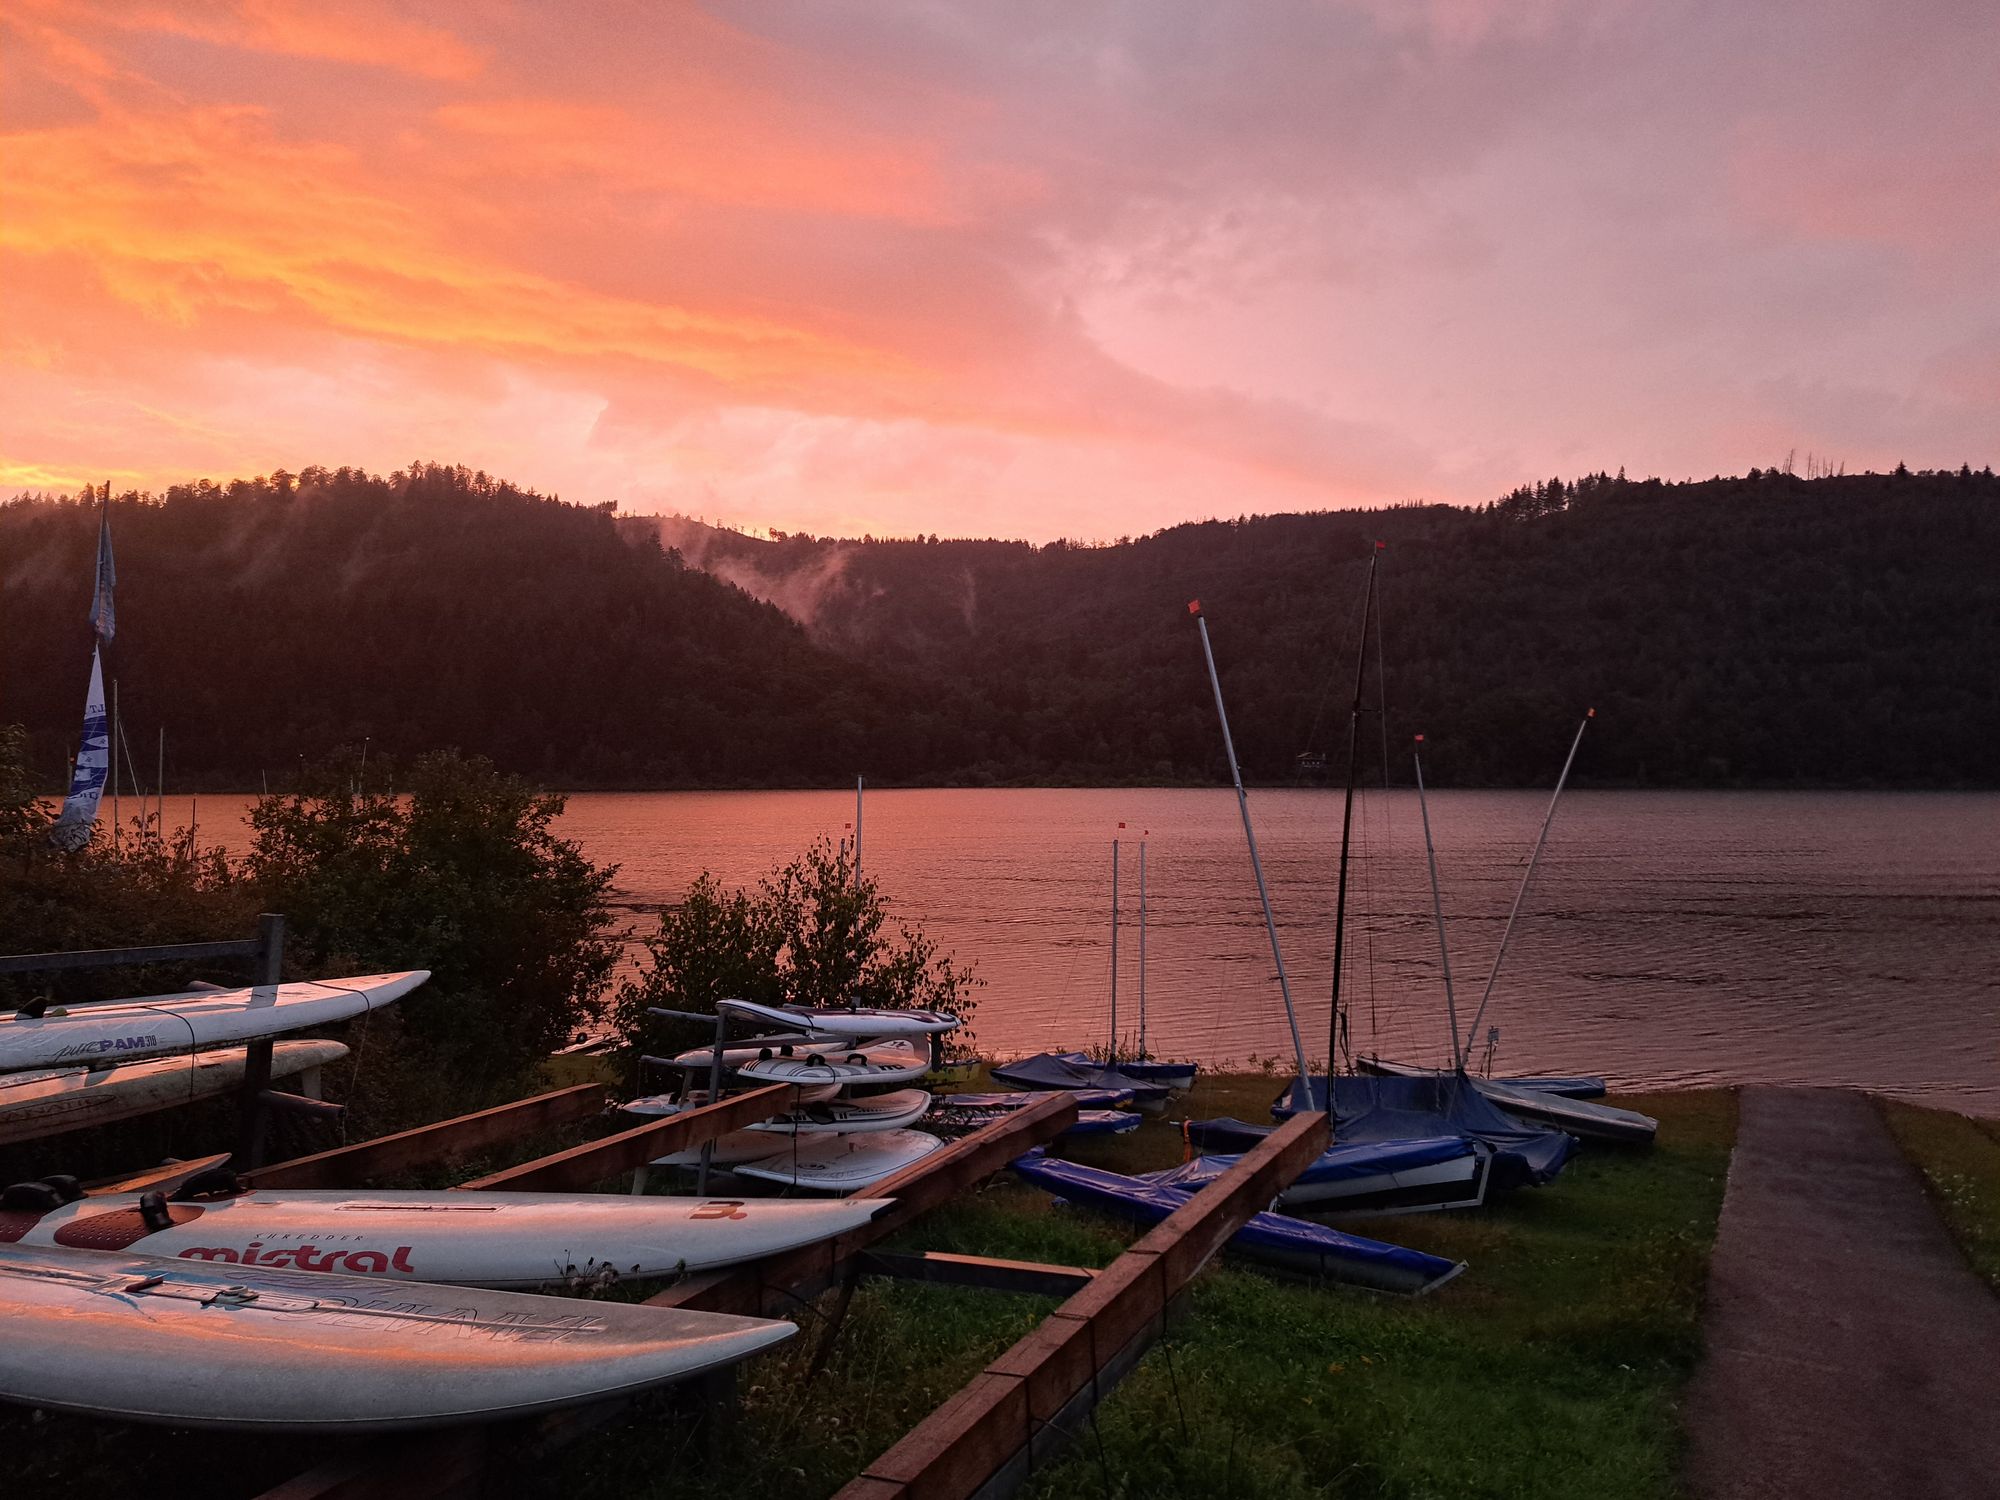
(1551, 1368)
(1959, 1160)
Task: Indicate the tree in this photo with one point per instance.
(812, 933)
(461, 875)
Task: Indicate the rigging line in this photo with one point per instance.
(1521, 892)
(1437, 907)
(1336, 1025)
(1332, 674)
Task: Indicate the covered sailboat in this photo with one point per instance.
(1404, 1109)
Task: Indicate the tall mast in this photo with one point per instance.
(1529, 874)
(857, 833)
(1437, 907)
(1301, 1089)
(1142, 945)
(1113, 1053)
(1334, 1026)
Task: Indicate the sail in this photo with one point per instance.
(103, 614)
(93, 766)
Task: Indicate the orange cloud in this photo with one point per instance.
(368, 33)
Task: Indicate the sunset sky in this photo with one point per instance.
(1026, 269)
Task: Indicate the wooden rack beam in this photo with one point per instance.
(431, 1466)
(581, 1166)
(989, 1437)
(434, 1144)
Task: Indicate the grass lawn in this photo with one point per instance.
(1551, 1368)
(1959, 1159)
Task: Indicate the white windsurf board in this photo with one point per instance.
(50, 1101)
(466, 1238)
(889, 1111)
(864, 1023)
(872, 1062)
(160, 1025)
(143, 1339)
(843, 1163)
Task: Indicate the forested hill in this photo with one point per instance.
(1764, 630)
(267, 620)
(1760, 630)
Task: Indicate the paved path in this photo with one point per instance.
(1851, 1352)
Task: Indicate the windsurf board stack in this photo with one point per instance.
(126, 1031)
(194, 1343)
(831, 1139)
(50, 1101)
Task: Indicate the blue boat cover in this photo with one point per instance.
(1051, 1070)
(1273, 1238)
(1346, 1163)
(1103, 1122)
(1404, 1109)
(1174, 1074)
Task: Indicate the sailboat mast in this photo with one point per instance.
(1334, 1022)
(1142, 947)
(1113, 1045)
(1437, 907)
(1301, 1089)
(1529, 874)
(857, 833)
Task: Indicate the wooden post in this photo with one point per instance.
(257, 1061)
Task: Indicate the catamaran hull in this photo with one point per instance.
(1578, 1087)
(1595, 1122)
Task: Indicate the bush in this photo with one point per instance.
(459, 874)
(812, 933)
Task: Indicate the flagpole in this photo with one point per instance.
(117, 732)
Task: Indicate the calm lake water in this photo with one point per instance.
(1670, 940)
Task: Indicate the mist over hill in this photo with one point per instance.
(1759, 630)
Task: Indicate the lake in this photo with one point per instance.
(1670, 939)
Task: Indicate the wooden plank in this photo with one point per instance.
(166, 1178)
(982, 1271)
(974, 1441)
(445, 1140)
(581, 1166)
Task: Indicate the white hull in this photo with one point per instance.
(879, 1062)
(851, 1116)
(791, 1044)
(33, 1105)
(844, 1163)
(857, 1022)
(142, 1339)
(161, 1025)
(468, 1239)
